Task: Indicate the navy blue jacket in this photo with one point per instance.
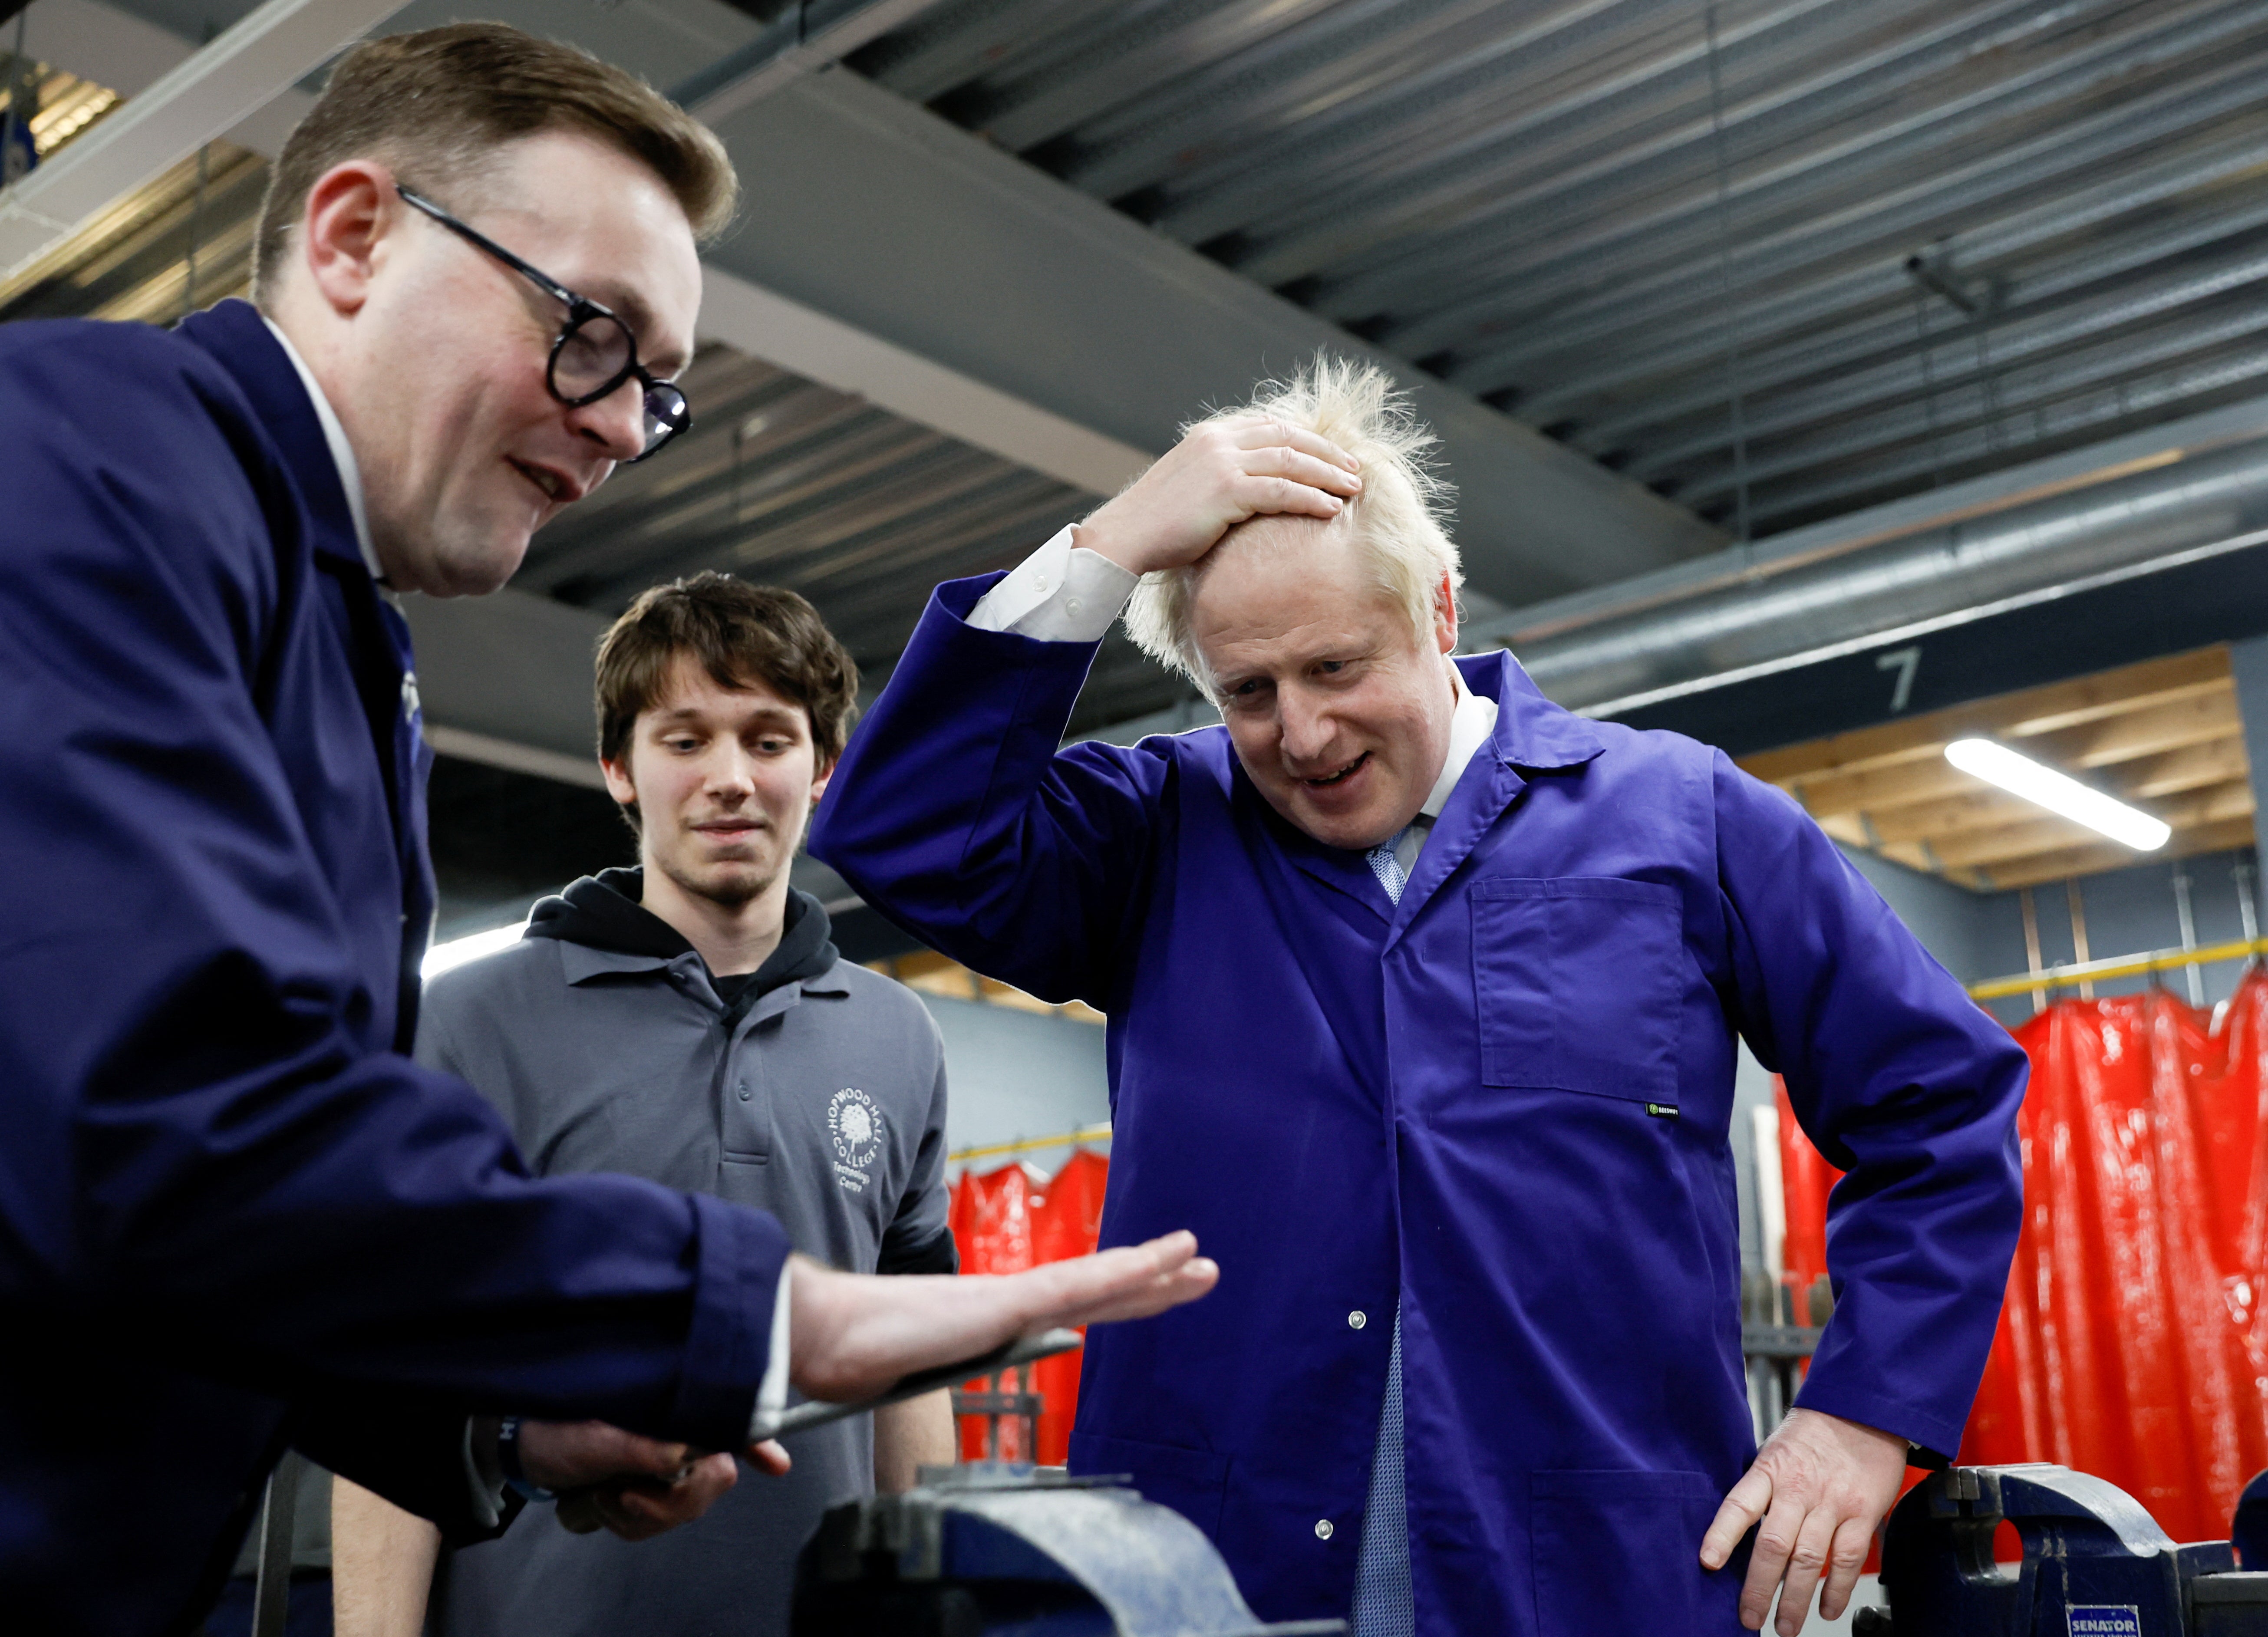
(1503, 1103)
(234, 1213)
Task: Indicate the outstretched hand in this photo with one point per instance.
(851, 1337)
(1821, 1486)
(1214, 479)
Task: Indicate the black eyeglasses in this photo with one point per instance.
(595, 352)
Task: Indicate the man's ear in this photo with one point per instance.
(350, 209)
(1445, 614)
(818, 784)
(618, 783)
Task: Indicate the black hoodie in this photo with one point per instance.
(602, 912)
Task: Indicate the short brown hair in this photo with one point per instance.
(739, 633)
(434, 104)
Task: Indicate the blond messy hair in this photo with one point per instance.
(1400, 519)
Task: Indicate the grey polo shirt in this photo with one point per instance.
(823, 1104)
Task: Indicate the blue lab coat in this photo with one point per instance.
(1504, 1103)
(232, 1213)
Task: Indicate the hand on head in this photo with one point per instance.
(851, 1336)
(1219, 475)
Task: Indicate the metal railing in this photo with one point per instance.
(1029, 1145)
(2071, 974)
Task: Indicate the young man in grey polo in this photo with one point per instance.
(688, 1022)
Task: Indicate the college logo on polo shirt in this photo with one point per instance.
(856, 1126)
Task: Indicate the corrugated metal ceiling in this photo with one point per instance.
(781, 481)
(1789, 257)
(794, 484)
(1852, 250)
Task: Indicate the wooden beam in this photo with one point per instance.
(2043, 832)
(1876, 790)
(2032, 711)
(1848, 828)
(2211, 674)
(2190, 767)
(1991, 850)
(1977, 808)
(1882, 793)
(2085, 860)
(2197, 719)
(1008, 994)
(2149, 780)
(1912, 855)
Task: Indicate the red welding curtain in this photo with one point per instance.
(2132, 1343)
(1009, 1219)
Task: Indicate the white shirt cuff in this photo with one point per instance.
(487, 1487)
(771, 1396)
(1061, 593)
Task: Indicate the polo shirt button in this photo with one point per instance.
(1323, 1530)
(743, 1090)
(1357, 1319)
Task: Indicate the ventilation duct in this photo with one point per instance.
(2156, 500)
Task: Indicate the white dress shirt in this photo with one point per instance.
(1065, 593)
(342, 454)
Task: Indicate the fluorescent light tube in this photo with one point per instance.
(2058, 793)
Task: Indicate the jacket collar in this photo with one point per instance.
(1531, 731)
(1531, 735)
(580, 963)
(238, 340)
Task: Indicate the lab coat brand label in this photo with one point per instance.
(856, 1126)
(2103, 1619)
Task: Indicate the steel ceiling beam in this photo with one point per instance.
(759, 321)
(805, 38)
(894, 223)
(211, 91)
(2185, 492)
(505, 679)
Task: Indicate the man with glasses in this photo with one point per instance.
(595, 354)
(234, 1215)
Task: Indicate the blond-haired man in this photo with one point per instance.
(1424, 996)
(234, 1213)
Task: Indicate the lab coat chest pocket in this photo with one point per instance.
(1575, 982)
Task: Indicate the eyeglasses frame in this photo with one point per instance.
(580, 311)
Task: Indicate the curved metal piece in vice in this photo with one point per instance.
(990, 1548)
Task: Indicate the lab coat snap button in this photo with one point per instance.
(1323, 1530)
(1357, 1319)
(743, 1090)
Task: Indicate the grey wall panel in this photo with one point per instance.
(1016, 1075)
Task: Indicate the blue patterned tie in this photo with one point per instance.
(1383, 1605)
(1386, 864)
